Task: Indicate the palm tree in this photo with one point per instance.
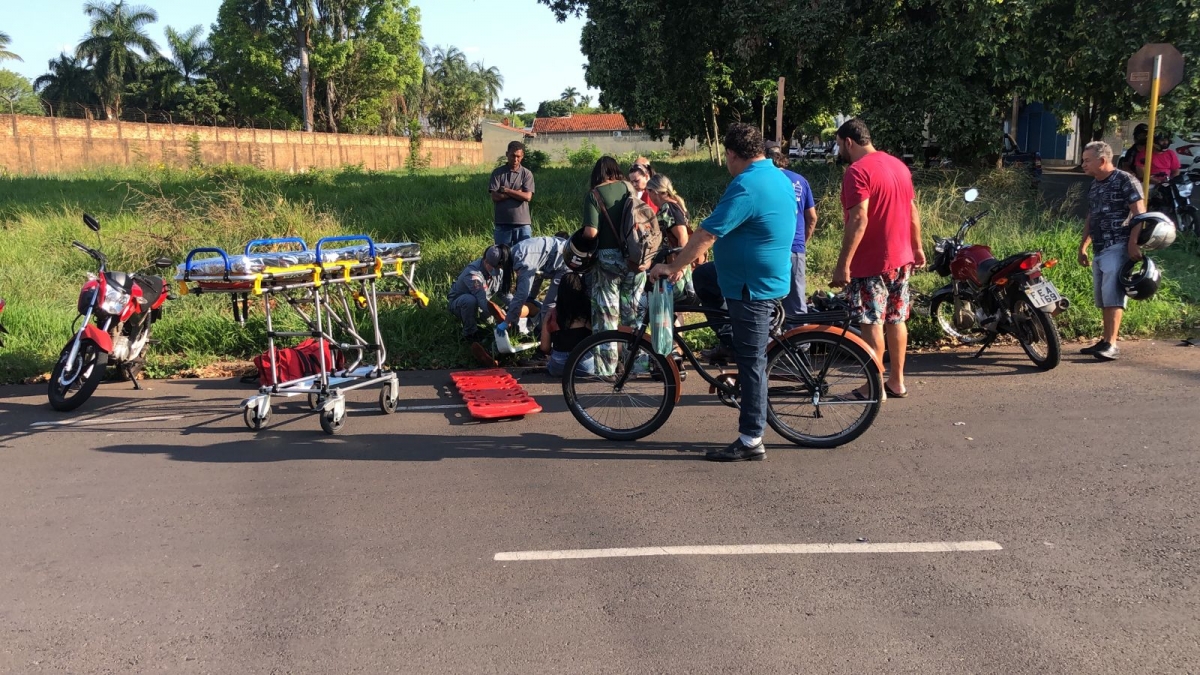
(116, 48)
(492, 82)
(189, 53)
(6, 55)
(570, 95)
(514, 105)
(69, 81)
(585, 101)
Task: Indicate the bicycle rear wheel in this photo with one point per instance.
(817, 412)
(634, 410)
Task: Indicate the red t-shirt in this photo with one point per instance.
(648, 202)
(887, 183)
(1162, 162)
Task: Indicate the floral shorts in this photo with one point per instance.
(881, 299)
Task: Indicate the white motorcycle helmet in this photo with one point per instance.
(1158, 232)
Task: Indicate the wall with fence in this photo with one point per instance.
(32, 145)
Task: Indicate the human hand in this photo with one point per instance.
(502, 327)
(841, 277)
(1135, 252)
(919, 258)
(1083, 258)
(662, 270)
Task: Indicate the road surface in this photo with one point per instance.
(184, 543)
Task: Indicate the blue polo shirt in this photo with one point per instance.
(754, 223)
(804, 201)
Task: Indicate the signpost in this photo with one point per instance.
(779, 114)
(1154, 70)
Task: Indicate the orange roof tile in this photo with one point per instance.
(579, 123)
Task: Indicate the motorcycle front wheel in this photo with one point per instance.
(84, 375)
(1038, 335)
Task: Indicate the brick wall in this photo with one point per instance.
(30, 145)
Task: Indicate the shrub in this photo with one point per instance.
(585, 156)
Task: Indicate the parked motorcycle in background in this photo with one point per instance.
(987, 298)
(1175, 199)
(117, 311)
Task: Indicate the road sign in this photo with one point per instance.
(1139, 71)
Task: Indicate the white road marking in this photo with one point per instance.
(754, 549)
(104, 421)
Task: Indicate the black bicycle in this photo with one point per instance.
(825, 386)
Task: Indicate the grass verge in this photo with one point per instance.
(149, 212)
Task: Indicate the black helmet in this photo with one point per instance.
(1143, 284)
(1140, 132)
(1162, 139)
(580, 252)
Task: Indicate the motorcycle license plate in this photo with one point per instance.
(1042, 293)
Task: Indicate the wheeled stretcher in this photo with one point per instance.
(323, 286)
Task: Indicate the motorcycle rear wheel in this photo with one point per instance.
(942, 310)
(90, 364)
(1038, 335)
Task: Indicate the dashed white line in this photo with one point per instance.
(754, 549)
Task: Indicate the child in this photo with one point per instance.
(673, 219)
(568, 324)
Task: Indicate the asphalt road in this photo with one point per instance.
(187, 544)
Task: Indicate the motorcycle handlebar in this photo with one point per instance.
(98, 256)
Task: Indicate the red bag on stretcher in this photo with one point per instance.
(293, 363)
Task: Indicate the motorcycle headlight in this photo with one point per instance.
(1185, 189)
(114, 300)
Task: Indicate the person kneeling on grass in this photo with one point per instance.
(474, 288)
(567, 324)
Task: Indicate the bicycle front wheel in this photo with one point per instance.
(818, 411)
(607, 406)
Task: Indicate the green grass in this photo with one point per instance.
(147, 213)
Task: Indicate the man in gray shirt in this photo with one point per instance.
(511, 189)
(533, 261)
(475, 286)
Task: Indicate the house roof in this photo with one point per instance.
(517, 130)
(579, 123)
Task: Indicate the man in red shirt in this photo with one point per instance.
(880, 247)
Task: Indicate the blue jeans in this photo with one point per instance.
(751, 321)
(795, 303)
(558, 361)
(509, 235)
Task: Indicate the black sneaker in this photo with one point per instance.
(737, 452)
(719, 354)
(1109, 353)
(1095, 349)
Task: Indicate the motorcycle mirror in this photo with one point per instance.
(162, 263)
(91, 222)
(970, 195)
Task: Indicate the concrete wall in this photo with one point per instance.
(496, 140)
(31, 145)
(556, 145)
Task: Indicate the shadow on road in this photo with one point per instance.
(276, 445)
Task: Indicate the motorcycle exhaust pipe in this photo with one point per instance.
(1061, 306)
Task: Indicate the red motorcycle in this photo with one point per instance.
(118, 310)
(987, 298)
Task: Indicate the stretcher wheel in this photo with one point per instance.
(332, 424)
(386, 403)
(315, 401)
(251, 418)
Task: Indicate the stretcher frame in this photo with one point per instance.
(332, 289)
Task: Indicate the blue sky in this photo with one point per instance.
(537, 56)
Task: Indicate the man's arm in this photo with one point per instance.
(810, 222)
(520, 294)
(518, 195)
(918, 246)
(697, 246)
(1137, 208)
(856, 226)
(1085, 242)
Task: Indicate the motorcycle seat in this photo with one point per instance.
(151, 286)
(989, 267)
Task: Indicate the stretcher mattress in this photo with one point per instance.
(244, 266)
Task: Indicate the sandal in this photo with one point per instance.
(895, 394)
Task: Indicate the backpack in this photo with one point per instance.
(639, 236)
(296, 362)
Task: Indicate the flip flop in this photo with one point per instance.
(894, 394)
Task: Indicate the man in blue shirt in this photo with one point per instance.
(751, 232)
(806, 224)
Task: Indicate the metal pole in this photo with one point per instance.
(1153, 120)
